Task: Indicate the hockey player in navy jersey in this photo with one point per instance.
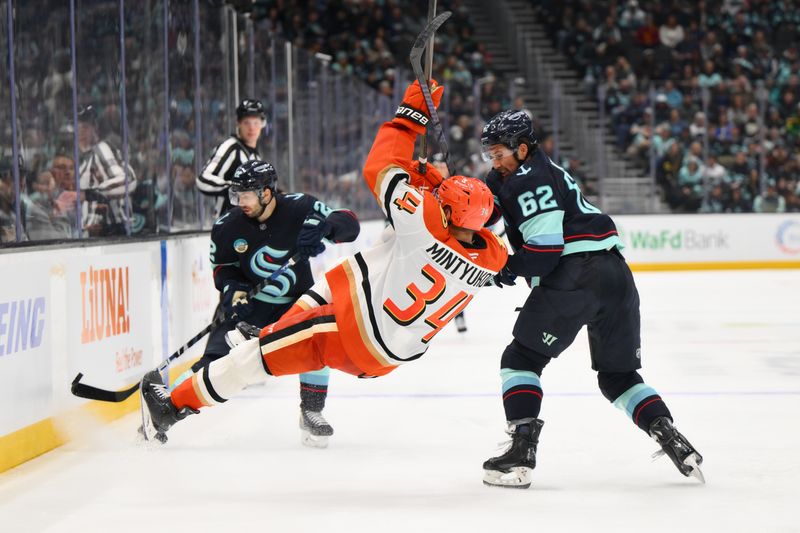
(252, 240)
(569, 251)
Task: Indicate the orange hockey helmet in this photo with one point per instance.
(469, 199)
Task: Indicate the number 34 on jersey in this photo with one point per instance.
(423, 302)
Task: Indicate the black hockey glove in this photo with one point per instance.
(235, 301)
(309, 240)
(504, 277)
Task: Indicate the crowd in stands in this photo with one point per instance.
(705, 94)
(371, 40)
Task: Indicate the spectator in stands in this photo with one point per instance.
(737, 203)
(632, 16)
(671, 33)
(715, 202)
(648, 35)
(698, 126)
(8, 215)
(713, 172)
(690, 181)
(770, 201)
(709, 78)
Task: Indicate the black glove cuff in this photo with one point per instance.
(416, 116)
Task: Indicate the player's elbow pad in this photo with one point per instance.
(344, 224)
(530, 264)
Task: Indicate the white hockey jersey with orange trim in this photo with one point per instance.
(391, 300)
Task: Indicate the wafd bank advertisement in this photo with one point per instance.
(109, 319)
(25, 345)
(769, 238)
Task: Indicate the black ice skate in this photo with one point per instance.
(314, 429)
(158, 412)
(513, 468)
(243, 332)
(677, 448)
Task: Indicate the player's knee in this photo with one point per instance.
(246, 361)
(614, 384)
(520, 357)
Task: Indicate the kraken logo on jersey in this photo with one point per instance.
(263, 263)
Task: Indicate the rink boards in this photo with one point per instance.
(113, 311)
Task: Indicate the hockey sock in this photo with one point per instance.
(522, 394)
(314, 389)
(186, 393)
(628, 392)
(183, 377)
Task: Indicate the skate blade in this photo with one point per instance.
(517, 478)
(313, 441)
(147, 431)
(691, 461)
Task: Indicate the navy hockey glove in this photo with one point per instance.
(504, 277)
(234, 299)
(309, 240)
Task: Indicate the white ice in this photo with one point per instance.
(723, 348)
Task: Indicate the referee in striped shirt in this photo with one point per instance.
(215, 178)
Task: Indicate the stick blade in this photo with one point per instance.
(422, 39)
(82, 390)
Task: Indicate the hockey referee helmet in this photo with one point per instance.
(252, 176)
(469, 199)
(250, 108)
(509, 128)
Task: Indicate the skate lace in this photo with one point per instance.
(160, 390)
(506, 444)
(315, 418)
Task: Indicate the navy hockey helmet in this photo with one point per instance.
(254, 175)
(509, 128)
(250, 108)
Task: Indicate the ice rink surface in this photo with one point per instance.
(723, 349)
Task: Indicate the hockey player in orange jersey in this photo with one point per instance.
(379, 308)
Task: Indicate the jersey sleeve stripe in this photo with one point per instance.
(534, 249)
(387, 196)
(590, 236)
(552, 239)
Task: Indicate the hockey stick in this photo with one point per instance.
(423, 147)
(83, 390)
(415, 57)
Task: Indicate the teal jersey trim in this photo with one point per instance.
(553, 239)
(545, 224)
(512, 378)
(261, 297)
(235, 263)
(575, 247)
(318, 377)
(630, 398)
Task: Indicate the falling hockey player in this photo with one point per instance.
(379, 308)
(571, 251)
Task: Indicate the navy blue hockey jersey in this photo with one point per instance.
(547, 216)
(246, 250)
